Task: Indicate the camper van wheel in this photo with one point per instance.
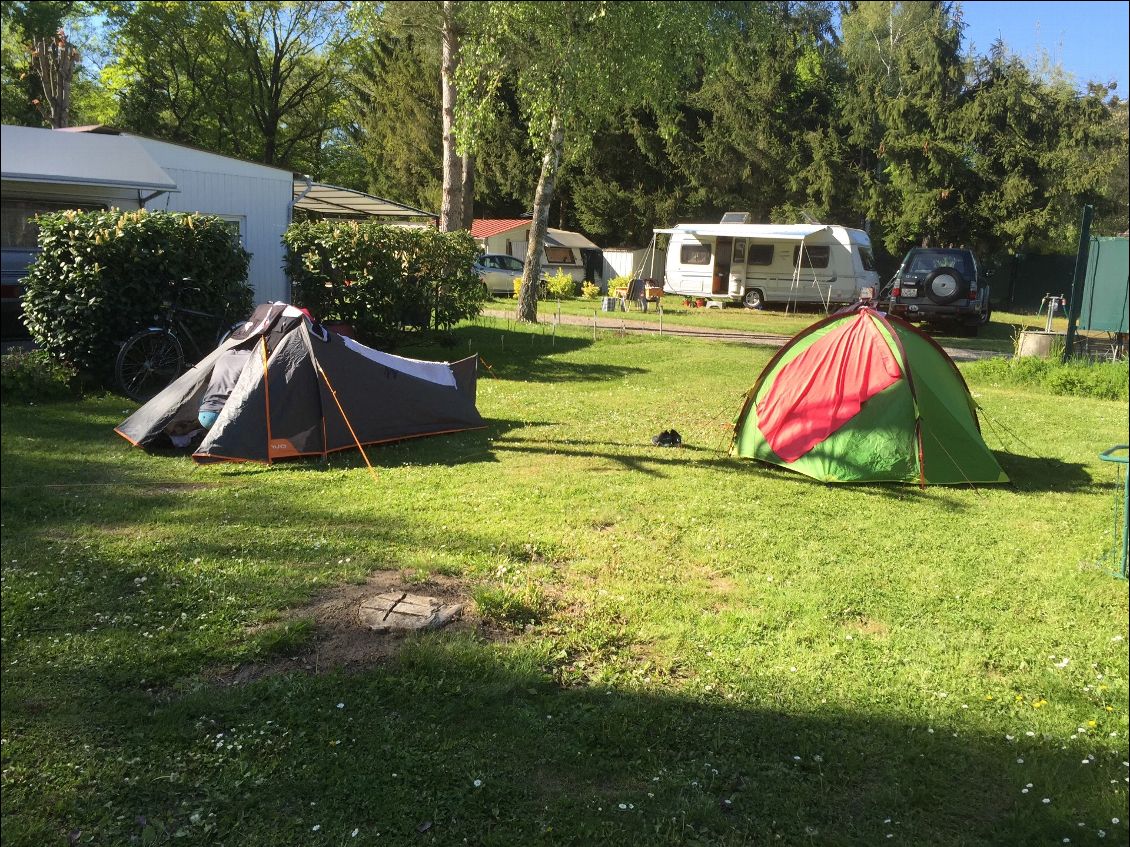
(753, 299)
(147, 362)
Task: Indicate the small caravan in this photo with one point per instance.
(756, 264)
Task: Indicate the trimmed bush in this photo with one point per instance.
(590, 290)
(34, 377)
(384, 280)
(560, 286)
(102, 275)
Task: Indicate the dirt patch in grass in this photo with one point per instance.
(338, 639)
(864, 625)
(722, 585)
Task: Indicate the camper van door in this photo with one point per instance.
(723, 259)
(737, 268)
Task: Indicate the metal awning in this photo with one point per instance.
(29, 154)
(774, 232)
(564, 238)
(332, 200)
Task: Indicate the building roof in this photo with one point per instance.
(322, 199)
(486, 227)
(30, 154)
(104, 129)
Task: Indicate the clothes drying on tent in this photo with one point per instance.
(865, 397)
(305, 391)
(225, 374)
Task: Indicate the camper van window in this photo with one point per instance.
(695, 254)
(867, 259)
(739, 252)
(558, 255)
(812, 257)
(760, 254)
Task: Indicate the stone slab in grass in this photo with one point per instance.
(395, 611)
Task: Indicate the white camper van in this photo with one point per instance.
(769, 263)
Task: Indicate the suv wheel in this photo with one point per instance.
(945, 285)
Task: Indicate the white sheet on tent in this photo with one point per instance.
(438, 372)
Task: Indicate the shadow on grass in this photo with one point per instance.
(1040, 474)
(90, 749)
(455, 740)
(529, 354)
(658, 461)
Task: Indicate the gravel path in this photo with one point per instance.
(764, 339)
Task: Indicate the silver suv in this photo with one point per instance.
(940, 285)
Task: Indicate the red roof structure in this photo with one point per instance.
(486, 227)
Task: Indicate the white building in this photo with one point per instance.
(632, 262)
(95, 167)
(100, 167)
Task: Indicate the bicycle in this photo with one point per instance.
(153, 357)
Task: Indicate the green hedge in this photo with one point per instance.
(384, 280)
(102, 275)
(1076, 377)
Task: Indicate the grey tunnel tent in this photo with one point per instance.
(305, 391)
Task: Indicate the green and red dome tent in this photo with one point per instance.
(865, 397)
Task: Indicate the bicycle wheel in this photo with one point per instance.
(148, 362)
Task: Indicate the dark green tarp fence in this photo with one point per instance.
(1104, 306)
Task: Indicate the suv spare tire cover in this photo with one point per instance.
(946, 284)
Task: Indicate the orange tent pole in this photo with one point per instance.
(356, 440)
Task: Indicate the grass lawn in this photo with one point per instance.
(998, 336)
(661, 646)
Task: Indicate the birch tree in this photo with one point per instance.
(574, 68)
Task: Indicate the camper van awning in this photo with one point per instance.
(322, 199)
(564, 238)
(29, 154)
(773, 232)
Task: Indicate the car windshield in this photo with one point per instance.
(926, 262)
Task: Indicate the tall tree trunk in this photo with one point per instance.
(451, 209)
(531, 276)
(468, 190)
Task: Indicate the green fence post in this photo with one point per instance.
(1077, 279)
(1124, 535)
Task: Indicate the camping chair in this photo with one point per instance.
(637, 294)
